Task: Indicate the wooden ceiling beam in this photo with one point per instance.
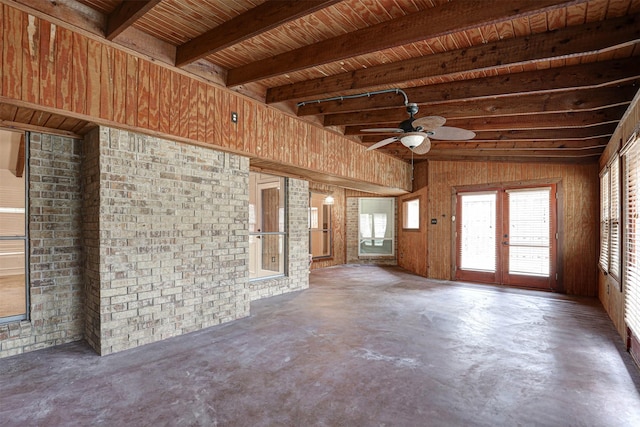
(260, 19)
(417, 26)
(555, 102)
(574, 41)
(575, 77)
(125, 15)
(562, 145)
(565, 134)
(524, 122)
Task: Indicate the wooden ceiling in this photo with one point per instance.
(536, 80)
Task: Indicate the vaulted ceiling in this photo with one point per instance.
(536, 80)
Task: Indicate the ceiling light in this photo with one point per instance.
(412, 139)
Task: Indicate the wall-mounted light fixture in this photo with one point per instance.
(328, 200)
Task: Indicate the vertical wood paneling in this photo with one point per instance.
(106, 82)
(63, 69)
(412, 244)
(164, 101)
(119, 86)
(131, 94)
(94, 58)
(143, 94)
(210, 115)
(183, 107)
(249, 127)
(174, 105)
(12, 53)
(3, 64)
(31, 60)
(222, 128)
(79, 73)
(201, 111)
(154, 96)
(192, 110)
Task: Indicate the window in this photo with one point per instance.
(376, 226)
(267, 229)
(411, 214)
(13, 229)
(631, 155)
(320, 233)
(610, 218)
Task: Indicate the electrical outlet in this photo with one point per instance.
(234, 117)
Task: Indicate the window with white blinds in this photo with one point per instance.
(610, 224)
(604, 220)
(614, 218)
(631, 278)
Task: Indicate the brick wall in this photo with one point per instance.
(140, 239)
(55, 249)
(297, 248)
(352, 238)
(173, 251)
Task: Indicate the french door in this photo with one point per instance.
(507, 236)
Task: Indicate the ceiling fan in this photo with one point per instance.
(415, 133)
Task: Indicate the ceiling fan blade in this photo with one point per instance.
(452, 134)
(382, 143)
(423, 148)
(429, 122)
(383, 130)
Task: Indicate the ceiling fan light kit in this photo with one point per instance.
(412, 139)
(415, 132)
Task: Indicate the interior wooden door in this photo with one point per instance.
(507, 236)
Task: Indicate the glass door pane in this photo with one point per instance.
(529, 228)
(478, 232)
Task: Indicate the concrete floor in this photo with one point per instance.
(364, 346)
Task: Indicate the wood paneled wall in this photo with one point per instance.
(412, 244)
(579, 209)
(610, 292)
(53, 69)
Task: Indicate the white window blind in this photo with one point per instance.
(604, 220)
(614, 218)
(478, 232)
(632, 233)
(529, 231)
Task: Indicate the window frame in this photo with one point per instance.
(630, 154)
(390, 225)
(609, 260)
(284, 234)
(405, 210)
(23, 237)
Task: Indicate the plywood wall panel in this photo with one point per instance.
(164, 101)
(31, 61)
(412, 244)
(12, 53)
(64, 64)
(201, 112)
(94, 60)
(47, 64)
(79, 68)
(142, 99)
(119, 85)
(154, 97)
(106, 83)
(2, 48)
